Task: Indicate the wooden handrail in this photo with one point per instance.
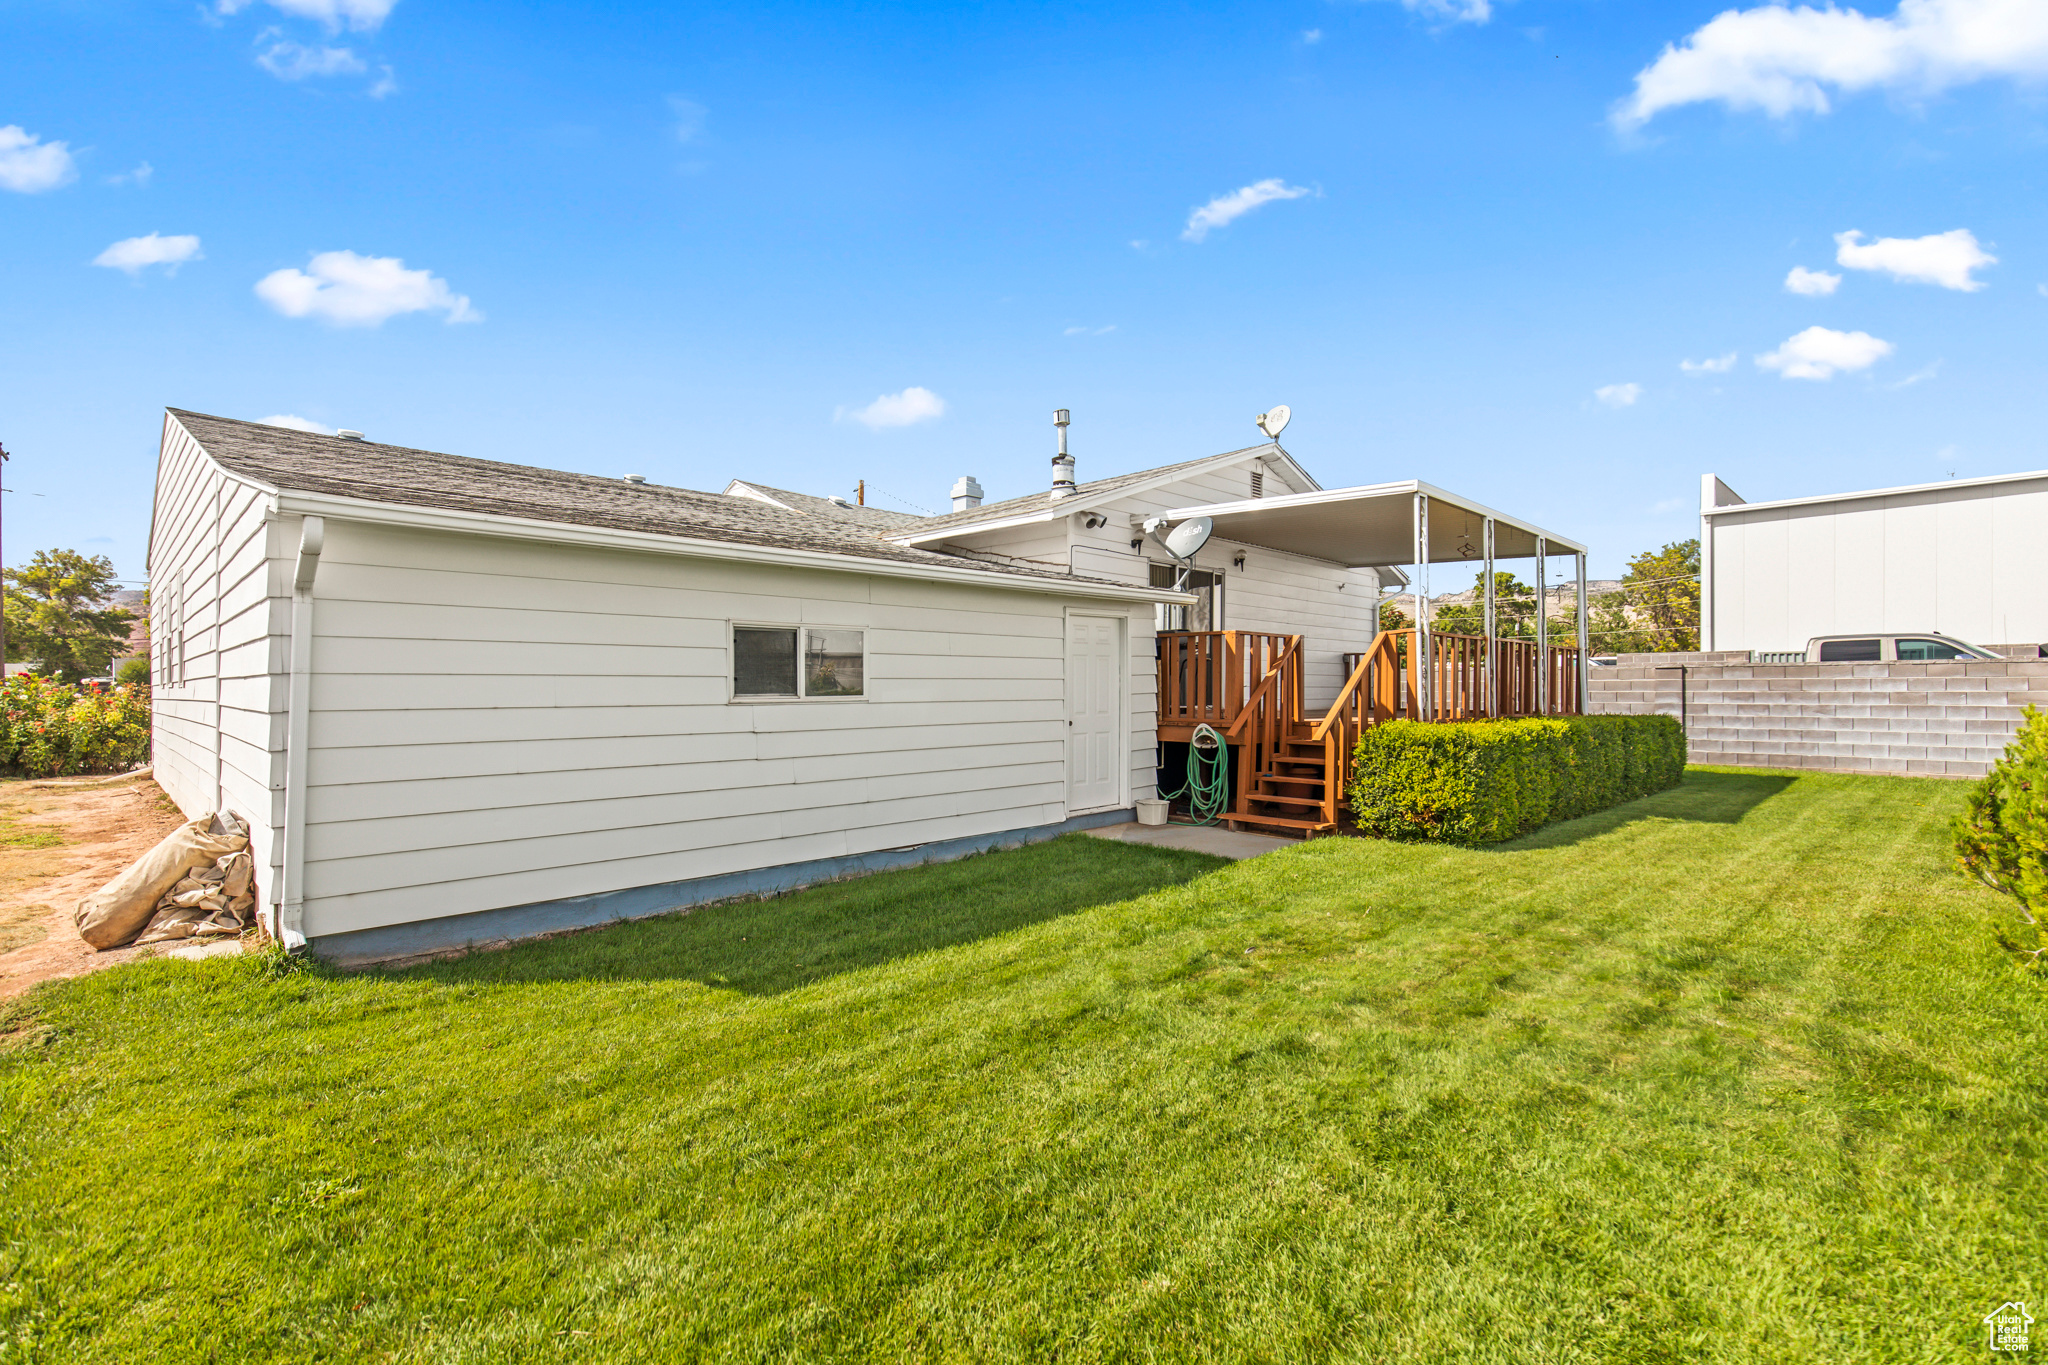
(1209, 675)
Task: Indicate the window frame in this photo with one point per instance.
(734, 697)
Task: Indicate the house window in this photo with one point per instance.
(788, 663)
(1206, 614)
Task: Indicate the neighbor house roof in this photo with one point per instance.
(1040, 507)
(838, 509)
(369, 472)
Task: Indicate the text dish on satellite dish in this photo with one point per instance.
(1185, 539)
(1275, 421)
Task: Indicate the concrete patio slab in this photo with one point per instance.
(1210, 839)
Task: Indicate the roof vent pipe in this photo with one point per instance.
(347, 435)
(966, 493)
(1062, 463)
(634, 478)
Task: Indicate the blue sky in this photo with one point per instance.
(700, 243)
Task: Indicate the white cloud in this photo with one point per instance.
(1717, 365)
(288, 421)
(29, 165)
(1804, 281)
(138, 177)
(689, 116)
(1822, 353)
(1917, 377)
(365, 16)
(290, 61)
(1943, 258)
(1228, 208)
(1311, 36)
(1089, 331)
(348, 290)
(1618, 395)
(1783, 59)
(1453, 11)
(136, 254)
(907, 408)
(385, 84)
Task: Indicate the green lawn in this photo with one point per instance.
(1735, 1073)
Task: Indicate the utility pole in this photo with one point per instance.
(860, 493)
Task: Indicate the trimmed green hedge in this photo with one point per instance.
(1478, 782)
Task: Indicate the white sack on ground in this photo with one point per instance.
(207, 902)
(115, 913)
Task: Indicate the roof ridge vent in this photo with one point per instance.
(348, 435)
(634, 478)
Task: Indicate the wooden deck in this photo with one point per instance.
(1290, 768)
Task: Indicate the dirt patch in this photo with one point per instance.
(62, 838)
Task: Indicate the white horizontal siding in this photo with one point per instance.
(217, 734)
(495, 724)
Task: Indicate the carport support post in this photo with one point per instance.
(1542, 627)
(1418, 662)
(1585, 689)
(1492, 629)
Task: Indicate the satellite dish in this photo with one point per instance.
(1191, 535)
(1274, 422)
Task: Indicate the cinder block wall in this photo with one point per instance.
(1941, 720)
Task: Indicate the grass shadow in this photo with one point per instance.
(767, 947)
(1718, 798)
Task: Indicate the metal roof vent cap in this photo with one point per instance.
(966, 493)
(634, 478)
(348, 435)
(1062, 463)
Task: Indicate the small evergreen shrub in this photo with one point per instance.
(2001, 838)
(1479, 782)
(56, 729)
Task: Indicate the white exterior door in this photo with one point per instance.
(1095, 712)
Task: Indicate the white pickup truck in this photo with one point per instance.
(1927, 647)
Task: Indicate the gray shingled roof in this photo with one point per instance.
(304, 462)
(874, 518)
(1084, 493)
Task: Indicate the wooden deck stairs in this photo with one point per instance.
(1293, 767)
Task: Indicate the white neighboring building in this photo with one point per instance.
(1966, 557)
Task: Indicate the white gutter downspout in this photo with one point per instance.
(291, 919)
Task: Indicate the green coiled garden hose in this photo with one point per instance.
(1208, 776)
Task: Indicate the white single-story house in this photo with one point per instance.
(459, 700)
(1966, 558)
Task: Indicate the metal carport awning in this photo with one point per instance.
(1374, 525)
(1411, 522)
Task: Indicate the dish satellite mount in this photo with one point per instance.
(1275, 421)
(1183, 542)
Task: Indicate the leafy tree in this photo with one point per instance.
(1657, 610)
(135, 671)
(56, 616)
(1514, 609)
(1393, 618)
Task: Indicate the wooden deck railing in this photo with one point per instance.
(1250, 685)
(1269, 715)
(1458, 677)
(1206, 676)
